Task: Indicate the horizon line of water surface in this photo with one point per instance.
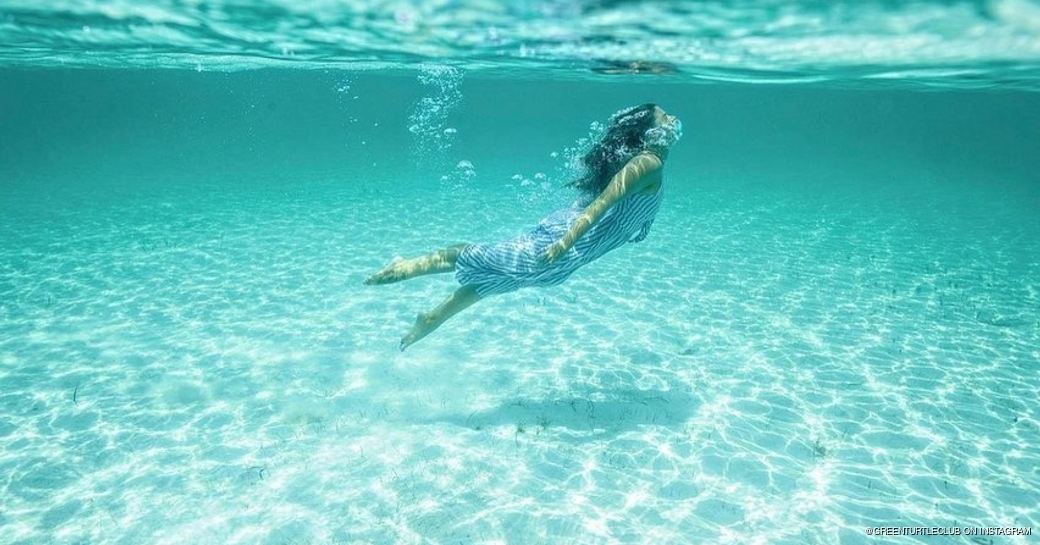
(965, 44)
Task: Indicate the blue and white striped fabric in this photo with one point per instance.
(509, 265)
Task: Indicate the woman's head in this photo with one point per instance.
(667, 130)
(629, 132)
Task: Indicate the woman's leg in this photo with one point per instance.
(437, 261)
(425, 323)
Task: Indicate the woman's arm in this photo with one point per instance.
(632, 177)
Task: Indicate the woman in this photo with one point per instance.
(620, 194)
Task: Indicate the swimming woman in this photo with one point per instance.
(620, 190)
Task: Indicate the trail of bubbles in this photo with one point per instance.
(569, 165)
(430, 115)
(463, 172)
(343, 88)
(551, 189)
(343, 85)
(534, 190)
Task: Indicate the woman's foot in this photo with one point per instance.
(424, 325)
(396, 271)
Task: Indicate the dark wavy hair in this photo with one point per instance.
(622, 140)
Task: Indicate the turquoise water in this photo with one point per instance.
(833, 324)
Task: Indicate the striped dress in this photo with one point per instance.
(505, 266)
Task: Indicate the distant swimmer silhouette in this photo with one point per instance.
(620, 192)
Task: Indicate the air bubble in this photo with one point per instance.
(464, 170)
(431, 111)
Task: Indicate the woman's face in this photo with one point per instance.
(662, 117)
(666, 131)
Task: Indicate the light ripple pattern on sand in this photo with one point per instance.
(205, 367)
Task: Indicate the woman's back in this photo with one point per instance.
(629, 220)
(511, 264)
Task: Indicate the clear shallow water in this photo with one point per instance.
(832, 325)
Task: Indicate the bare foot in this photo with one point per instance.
(394, 272)
(424, 325)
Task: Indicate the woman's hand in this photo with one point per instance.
(552, 253)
